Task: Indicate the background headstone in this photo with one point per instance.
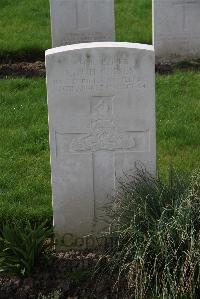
(176, 29)
(81, 21)
(101, 102)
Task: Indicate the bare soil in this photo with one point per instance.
(70, 274)
(23, 69)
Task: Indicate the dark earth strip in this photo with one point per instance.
(23, 69)
(37, 69)
(28, 55)
(69, 274)
(169, 68)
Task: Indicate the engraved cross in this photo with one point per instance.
(104, 141)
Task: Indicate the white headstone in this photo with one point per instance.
(82, 21)
(101, 102)
(176, 29)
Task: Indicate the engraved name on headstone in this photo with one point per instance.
(101, 102)
(81, 21)
(176, 29)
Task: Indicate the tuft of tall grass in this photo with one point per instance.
(23, 246)
(156, 225)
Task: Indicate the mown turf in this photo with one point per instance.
(24, 160)
(25, 190)
(133, 21)
(178, 120)
(25, 25)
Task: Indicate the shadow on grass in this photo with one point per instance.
(28, 55)
(186, 65)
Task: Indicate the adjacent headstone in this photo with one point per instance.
(176, 29)
(101, 103)
(82, 21)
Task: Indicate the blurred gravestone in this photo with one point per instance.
(81, 21)
(101, 103)
(176, 29)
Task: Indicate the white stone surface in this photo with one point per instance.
(101, 102)
(176, 29)
(82, 21)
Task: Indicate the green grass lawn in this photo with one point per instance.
(24, 160)
(178, 121)
(25, 190)
(25, 25)
(133, 21)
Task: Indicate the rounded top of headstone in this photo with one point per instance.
(95, 45)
